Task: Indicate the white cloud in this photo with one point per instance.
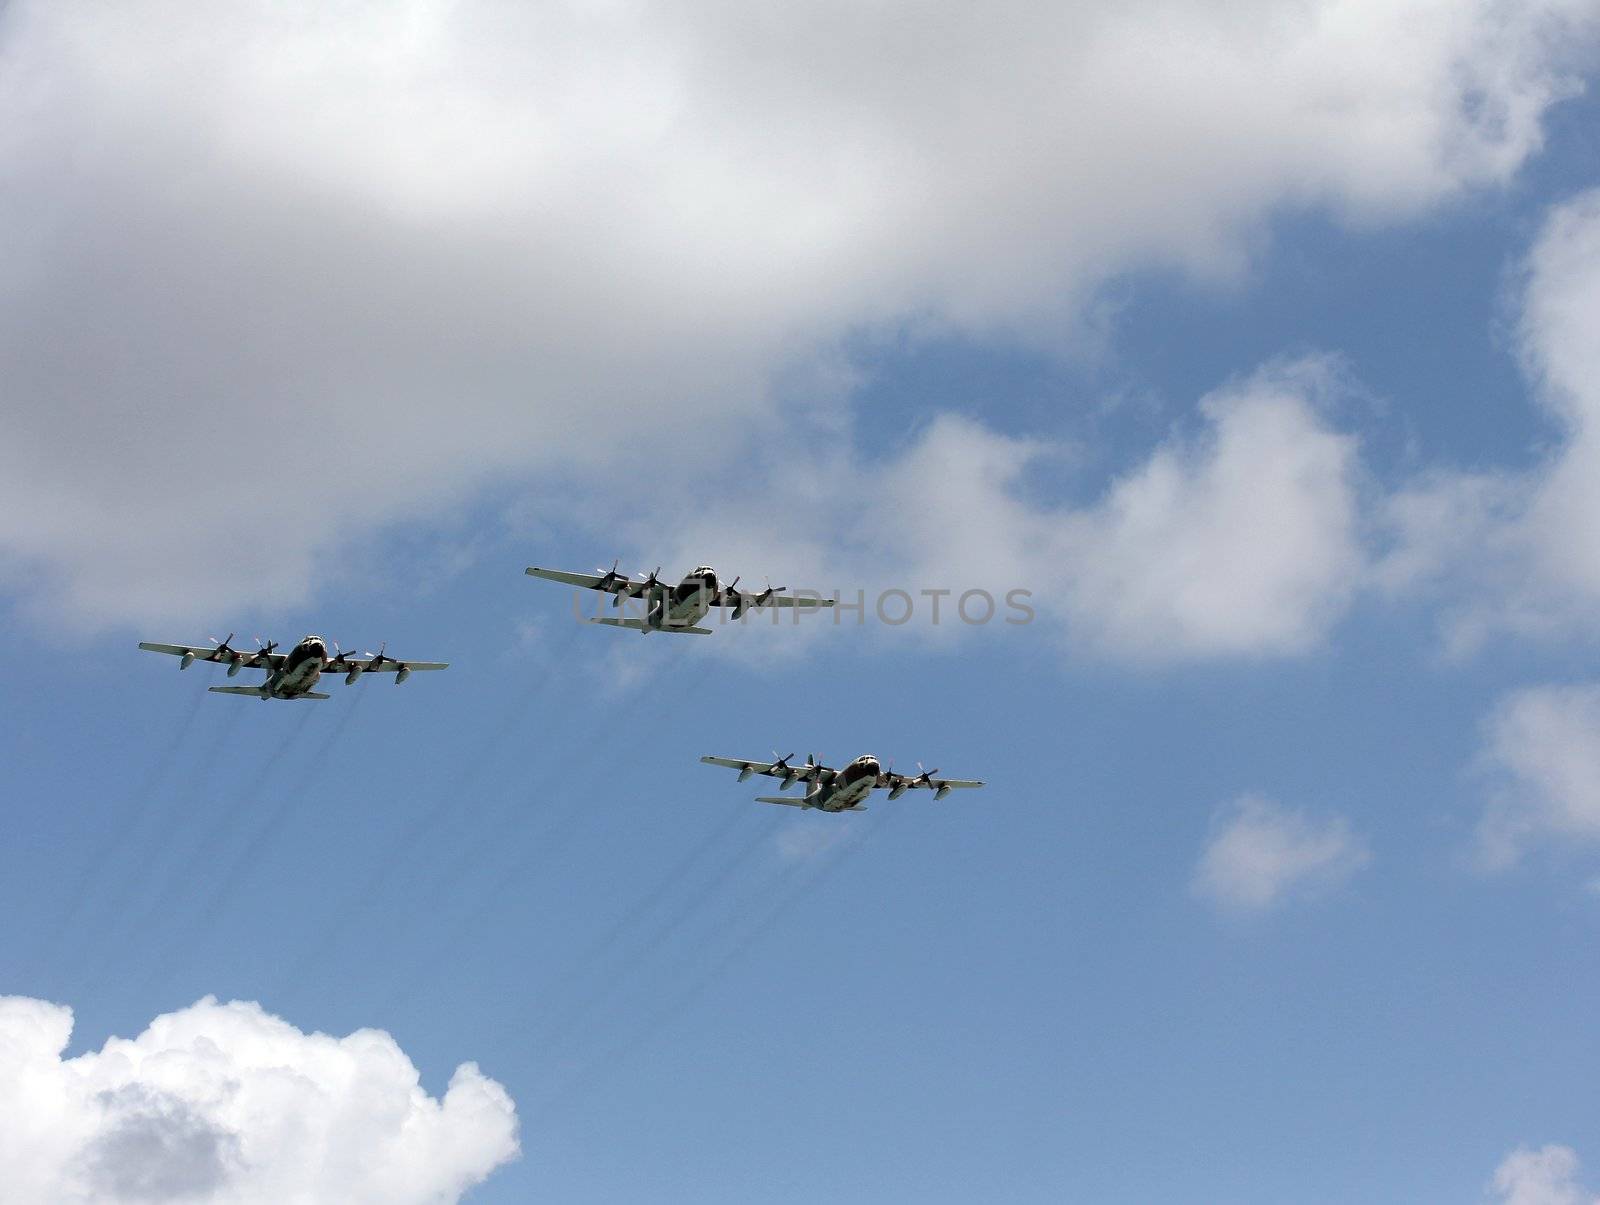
(1239, 540)
(1547, 1176)
(1261, 853)
(280, 275)
(229, 1104)
(1542, 745)
(1520, 551)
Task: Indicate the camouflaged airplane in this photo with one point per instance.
(674, 608)
(839, 790)
(290, 675)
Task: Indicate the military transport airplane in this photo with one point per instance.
(839, 790)
(674, 608)
(290, 675)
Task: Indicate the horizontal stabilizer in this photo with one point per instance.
(801, 802)
(255, 692)
(639, 625)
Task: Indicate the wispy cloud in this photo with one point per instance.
(1542, 751)
(1547, 1176)
(814, 836)
(1238, 539)
(1519, 551)
(1261, 854)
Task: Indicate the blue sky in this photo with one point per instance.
(1283, 879)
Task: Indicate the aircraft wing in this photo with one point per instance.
(912, 782)
(387, 665)
(255, 660)
(610, 584)
(760, 767)
(740, 600)
(805, 772)
(789, 600)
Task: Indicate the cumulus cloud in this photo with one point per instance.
(1547, 1176)
(280, 275)
(1241, 542)
(1239, 538)
(1520, 551)
(1542, 748)
(227, 1103)
(1261, 853)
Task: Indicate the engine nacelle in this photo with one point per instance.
(402, 674)
(941, 792)
(234, 666)
(350, 678)
(186, 661)
(745, 773)
(789, 780)
(896, 791)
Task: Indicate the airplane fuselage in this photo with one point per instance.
(849, 787)
(299, 672)
(683, 605)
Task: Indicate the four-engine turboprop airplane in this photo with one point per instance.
(294, 674)
(674, 608)
(290, 675)
(839, 790)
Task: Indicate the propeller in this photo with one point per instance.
(925, 779)
(262, 658)
(634, 589)
(732, 588)
(898, 784)
(224, 650)
(790, 775)
(609, 578)
(377, 658)
(341, 663)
